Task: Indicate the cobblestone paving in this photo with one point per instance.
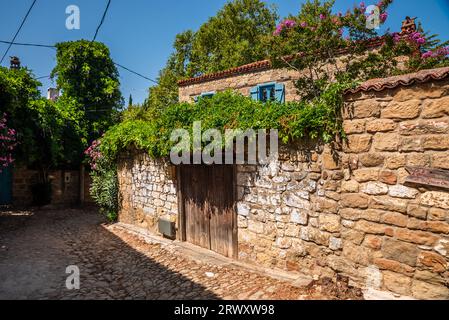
(36, 247)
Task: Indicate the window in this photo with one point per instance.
(269, 92)
(205, 95)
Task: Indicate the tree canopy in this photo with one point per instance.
(46, 131)
(90, 82)
(238, 34)
(55, 133)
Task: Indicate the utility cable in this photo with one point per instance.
(18, 30)
(53, 47)
(102, 20)
(27, 44)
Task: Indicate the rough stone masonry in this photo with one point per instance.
(322, 210)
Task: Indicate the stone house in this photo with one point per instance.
(376, 211)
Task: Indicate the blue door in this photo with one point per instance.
(5, 186)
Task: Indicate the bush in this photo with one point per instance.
(104, 187)
(104, 190)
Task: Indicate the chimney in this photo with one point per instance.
(52, 94)
(408, 25)
(14, 63)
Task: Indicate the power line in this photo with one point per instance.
(136, 73)
(50, 46)
(102, 20)
(27, 44)
(43, 77)
(18, 30)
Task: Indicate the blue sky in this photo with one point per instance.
(140, 33)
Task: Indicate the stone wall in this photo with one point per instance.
(63, 192)
(22, 181)
(401, 232)
(147, 191)
(320, 210)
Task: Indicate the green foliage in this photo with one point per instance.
(18, 90)
(46, 131)
(312, 42)
(104, 190)
(89, 79)
(227, 110)
(238, 34)
(134, 112)
(165, 93)
(104, 186)
(235, 36)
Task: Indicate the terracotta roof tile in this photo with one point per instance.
(402, 80)
(252, 67)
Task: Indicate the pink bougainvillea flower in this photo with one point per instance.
(440, 52)
(427, 55)
(421, 41)
(396, 37)
(417, 38)
(322, 16)
(289, 23)
(8, 141)
(445, 51)
(383, 16)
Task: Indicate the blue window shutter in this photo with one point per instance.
(255, 93)
(207, 94)
(280, 92)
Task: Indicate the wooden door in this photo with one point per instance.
(208, 207)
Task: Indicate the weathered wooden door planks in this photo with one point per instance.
(209, 207)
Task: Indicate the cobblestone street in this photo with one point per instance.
(36, 247)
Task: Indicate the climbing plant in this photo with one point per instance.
(227, 110)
